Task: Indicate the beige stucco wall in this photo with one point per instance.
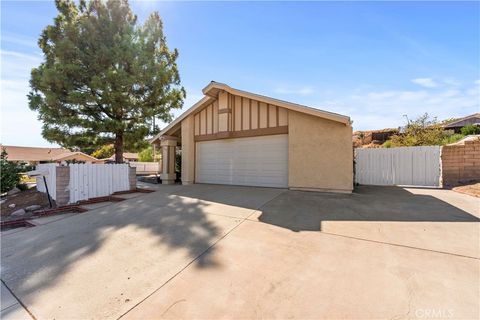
(188, 150)
(320, 154)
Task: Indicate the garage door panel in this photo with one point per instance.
(257, 161)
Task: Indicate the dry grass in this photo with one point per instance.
(472, 189)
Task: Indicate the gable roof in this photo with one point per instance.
(211, 93)
(74, 155)
(17, 153)
(471, 119)
(126, 156)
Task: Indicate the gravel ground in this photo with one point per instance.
(22, 200)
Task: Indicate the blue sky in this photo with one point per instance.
(373, 61)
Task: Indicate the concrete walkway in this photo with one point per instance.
(11, 307)
(234, 252)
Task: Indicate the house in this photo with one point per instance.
(130, 157)
(36, 155)
(458, 124)
(127, 157)
(236, 137)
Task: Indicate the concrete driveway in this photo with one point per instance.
(206, 251)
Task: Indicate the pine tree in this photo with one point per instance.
(104, 76)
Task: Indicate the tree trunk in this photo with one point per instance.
(118, 145)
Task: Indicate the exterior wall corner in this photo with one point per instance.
(188, 150)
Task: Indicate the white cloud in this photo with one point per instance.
(301, 91)
(20, 40)
(425, 82)
(15, 54)
(383, 109)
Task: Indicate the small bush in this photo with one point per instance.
(146, 155)
(470, 129)
(22, 186)
(104, 152)
(387, 144)
(452, 138)
(9, 173)
(178, 162)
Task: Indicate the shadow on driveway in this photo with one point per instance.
(305, 211)
(97, 264)
(35, 259)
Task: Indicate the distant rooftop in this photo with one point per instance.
(16, 153)
(471, 119)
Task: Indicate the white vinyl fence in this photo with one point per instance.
(404, 166)
(97, 180)
(86, 180)
(50, 178)
(146, 167)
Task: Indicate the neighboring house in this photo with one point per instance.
(458, 124)
(130, 157)
(241, 138)
(34, 155)
(127, 157)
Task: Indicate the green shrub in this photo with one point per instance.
(24, 167)
(387, 144)
(9, 173)
(22, 186)
(146, 155)
(178, 162)
(470, 129)
(423, 131)
(452, 138)
(104, 152)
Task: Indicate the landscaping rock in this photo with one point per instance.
(13, 191)
(18, 213)
(33, 207)
(11, 205)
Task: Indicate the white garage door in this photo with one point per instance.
(258, 161)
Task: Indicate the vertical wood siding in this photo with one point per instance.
(235, 113)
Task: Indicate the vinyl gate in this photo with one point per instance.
(86, 181)
(97, 180)
(404, 166)
(50, 178)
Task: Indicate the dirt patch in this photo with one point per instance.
(22, 200)
(472, 189)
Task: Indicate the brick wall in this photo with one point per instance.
(62, 181)
(461, 163)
